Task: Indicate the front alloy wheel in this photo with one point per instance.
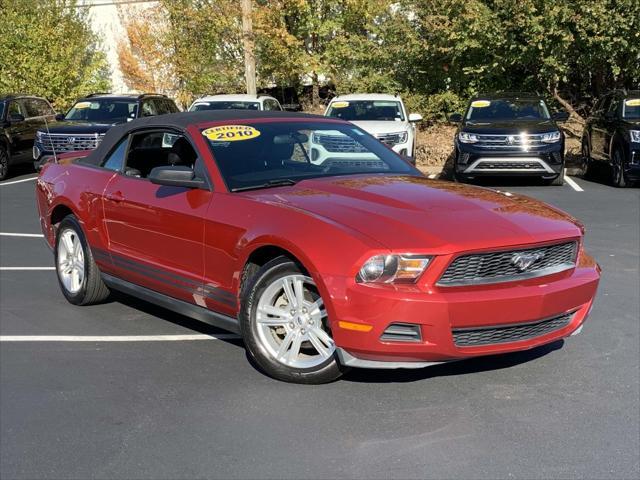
(619, 176)
(285, 325)
(4, 162)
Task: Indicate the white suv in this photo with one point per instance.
(383, 116)
(240, 101)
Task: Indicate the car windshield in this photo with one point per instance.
(225, 106)
(512, 109)
(103, 110)
(262, 155)
(631, 109)
(381, 110)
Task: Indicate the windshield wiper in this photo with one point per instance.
(271, 183)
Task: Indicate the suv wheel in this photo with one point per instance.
(617, 169)
(78, 274)
(4, 162)
(285, 326)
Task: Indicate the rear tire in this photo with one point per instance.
(4, 162)
(78, 274)
(285, 327)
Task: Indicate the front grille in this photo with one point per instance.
(519, 142)
(62, 142)
(471, 337)
(482, 268)
(390, 139)
(339, 144)
(488, 165)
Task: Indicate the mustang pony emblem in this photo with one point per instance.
(522, 261)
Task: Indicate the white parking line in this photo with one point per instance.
(571, 182)
(116, 338)
(30, 235)
(26, 268)
(18, 181)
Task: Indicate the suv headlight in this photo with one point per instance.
(635, 136)
(393, 268)
(39, 136)
(402, 137)
(551, 137)
(465, 137)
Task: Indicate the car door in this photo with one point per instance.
(610, 119)
(156, 232)
(598, 129)
(21, 136)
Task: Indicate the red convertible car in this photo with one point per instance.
(356, 260)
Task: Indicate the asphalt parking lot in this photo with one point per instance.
(155, 395)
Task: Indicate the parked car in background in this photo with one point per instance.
(611, 136)
(240, 101)
(383, 116)
(357, 263)
(20, 117)
(509, 134)
(287, 96)
(84, 125)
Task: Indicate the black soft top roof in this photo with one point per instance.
(181, 121)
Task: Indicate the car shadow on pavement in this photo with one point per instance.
(461, 367)
(18, 170)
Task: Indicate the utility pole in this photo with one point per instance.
(248, 45)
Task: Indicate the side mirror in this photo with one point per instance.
(59, 117)
(561, 116)
(415, 117)
(16, 118)
(176, 176)
(455, 118)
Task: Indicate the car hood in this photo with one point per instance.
(412, 212)
(69, 126)
(377, 127)
(510, 127)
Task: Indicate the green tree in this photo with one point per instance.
(48, 49)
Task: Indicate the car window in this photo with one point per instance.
(115, 160)
(158, 148)
(249, 156)
(44, 108)
(271, 105)
(171, 106)
(511, 109)
(381, 110)
(613, 106)
(631, 109)
(224, 105)
(33, 107)
(103, 110)
(149, 108)
(15, 108)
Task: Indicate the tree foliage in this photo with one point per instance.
(48, 49)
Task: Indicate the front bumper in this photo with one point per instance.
(438, 311)
(546, 162)
(633, 164)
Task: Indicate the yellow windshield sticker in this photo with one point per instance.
(81, 105)
(480, 103)
(340, 104)
(231, 133)
(633, 102)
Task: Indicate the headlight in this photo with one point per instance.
(393, 268)
(465, 137)
(635, 136)
(551, 137)
(39, 136)
(402, 137)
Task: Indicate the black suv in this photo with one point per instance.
(84, 125)
(20, 117)
(611, 136)
(509, 134)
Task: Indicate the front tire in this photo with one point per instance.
(78, 274)
(4, 162)
(285, 327)
(619, 177)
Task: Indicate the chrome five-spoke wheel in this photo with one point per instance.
(71, 267)
(292, 322)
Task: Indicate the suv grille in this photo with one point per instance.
(339, 144)
(519, 142)
(468, 337)
(390, 139)
(63, 142)
(482, 268)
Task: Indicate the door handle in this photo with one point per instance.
(115, 196)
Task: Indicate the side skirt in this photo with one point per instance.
(183, 308)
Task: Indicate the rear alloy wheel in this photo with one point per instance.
(78, 274)
(617, 170)
(285, 325)
(4, 162)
